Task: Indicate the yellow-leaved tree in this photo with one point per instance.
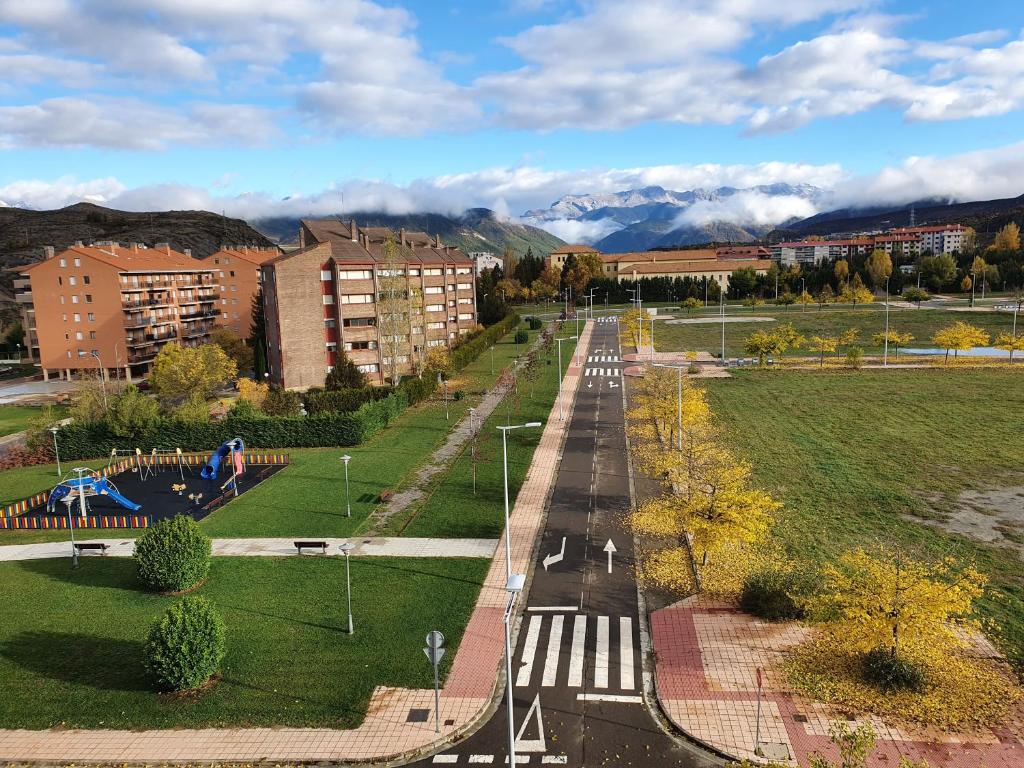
(959, 337)
(1007, 238)
(635, 328)
(823, 345)
(183, 372)
(1010, 343)
(895, 339)
(255, 392)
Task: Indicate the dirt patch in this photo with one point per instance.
(994, 516)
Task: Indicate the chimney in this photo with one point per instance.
(48, 251)
(78, 243)
(354, 231)
(188, 252)
(401, 236)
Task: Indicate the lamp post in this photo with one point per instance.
(348, 500)
(103, 377)
(803, 290)
(514, 586)
(652, 338)
(56, 453)
(561, 417)
(492, 359)
(678, 368)
(721, 303)
(504, 461)
(346, 547)
(885, 353)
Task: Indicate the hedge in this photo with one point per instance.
(342, 400)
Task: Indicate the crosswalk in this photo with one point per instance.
(609, 319)
(603, 359)
(500, 759)
(616, 372)
(585, 655)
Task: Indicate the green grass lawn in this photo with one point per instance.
(452, 509)
(290, 660)
(869, 320)
(15, 418)
(856, 457)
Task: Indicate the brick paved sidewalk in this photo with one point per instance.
(706, 657)
(385, 733)
(280, 547)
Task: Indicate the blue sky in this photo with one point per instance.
(259, 108)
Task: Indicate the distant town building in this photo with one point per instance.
(338, 292)
(237, 269)
(485, 260)
(113, 307)
(910, 241)
(559, 256)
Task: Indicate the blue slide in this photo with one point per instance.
(212, 468)
(99, 486)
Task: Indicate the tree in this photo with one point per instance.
(960, 337)
(393, 309)
(1010, 343)
(970, 240)
(888, 600)
(509, 288)
(762, 344)
(966, 284)
(1007, 238)
(825, 296)
(253, 392)
(879, 268)
(823, 345)
(234, 347)
(282, 402)
(856, 293)
(895, 338)
(938, 271)
(344, 375)
(635, 328)
(547, 283)
(847, 338)
(195, 410)
(586, 267)
(786, 299)
(916, 295)
(258, 335)
(805, 298)
(841, 270)
(179, 372)
(132, 414)
(439, 360)
(742, 282)
(88, 405)
(691, 304)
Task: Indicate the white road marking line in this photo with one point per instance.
(553, 608)
(601, 659)
(626, 682)
(481, 758)
(446, 758)
(613, 698)
(554, 646)
(579, 639)
(520, 759)
(554, 760)
(529, 651)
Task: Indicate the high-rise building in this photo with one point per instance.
(237, 269)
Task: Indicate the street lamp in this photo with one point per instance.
(885, 353)
(103, 377)
(652, 338)
(348, 501)
(56, 453)
(803, 290)
(346, 547)
(561, 417)
(721, 304)
(504, 460)
(514, 586)
(678, 368)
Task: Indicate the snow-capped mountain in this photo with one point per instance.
(638, 219)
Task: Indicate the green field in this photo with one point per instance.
(15, 418)
(859, 458)
(869, 320)
(290, 660)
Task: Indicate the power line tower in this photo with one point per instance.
(913, 216)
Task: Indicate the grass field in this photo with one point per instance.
(290, 660)
(15, 418)
(857, 457)
(922, 323)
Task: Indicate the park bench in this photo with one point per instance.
(90, 546)
(301, 545)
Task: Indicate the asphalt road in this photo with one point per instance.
(578, 686)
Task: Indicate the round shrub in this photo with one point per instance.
(173, 555)
(535, 323)
(186, 645)
(771, 594)
(891, 671)
(522, 336)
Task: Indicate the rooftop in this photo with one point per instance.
(133, 258)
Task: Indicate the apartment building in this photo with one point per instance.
(110, 307)
(910, 241)
(559, 256)
(341, 291)
(483, 260)
(237, 269)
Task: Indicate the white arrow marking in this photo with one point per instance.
(610, 548)
(550, 559)
(539, 744)
(613, 385)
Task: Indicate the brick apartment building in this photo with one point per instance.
(340, 292)
(910, 241)
(106, 306)
(237, 270)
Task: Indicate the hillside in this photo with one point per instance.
(478, 229)
(985, 216)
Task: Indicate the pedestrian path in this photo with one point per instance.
(501, 759)
(573, 650)
(603, 372)
(365, 547)
(603, 359)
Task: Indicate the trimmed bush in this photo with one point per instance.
(522, 336)
(186, 645)
(535, 323)
(891, 671)
(771, 594)
(173, 555)
(342, 400)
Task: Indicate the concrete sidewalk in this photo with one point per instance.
(373, 547)
(386, 733)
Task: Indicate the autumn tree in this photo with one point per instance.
(856, 293)
(805, 298)
(547, 283)
(635, 328)
(823, 345)
(691, 304)
(960, 337)
(179, 372)
(895, 339)
(825, 296)
(393, 309)
(253, 392)
(841, 270)
(1007, 238)
(879, 267)
(586, 267)
(916, 295)
(439, 360)
(234, 347)
(1009, 343)
(966, 284)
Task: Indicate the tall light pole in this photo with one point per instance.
(492, 359)
(103, 377)
(590, 301)
(679, 369)
(514, 586)
(652, 338)
(721, 304)
(561, 417)
(803, 290)
(885, 353)
(348, 500)
(504, 461)
(346, 547)
(56, 453)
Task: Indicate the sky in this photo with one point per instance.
(311, 107)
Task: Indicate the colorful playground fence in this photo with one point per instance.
(49, 522)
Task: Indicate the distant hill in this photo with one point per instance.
(477, 229)
(986, 216)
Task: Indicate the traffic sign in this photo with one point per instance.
(434, 655)
(435, 639)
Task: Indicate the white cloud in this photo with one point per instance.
(747, 208)
(577, 231)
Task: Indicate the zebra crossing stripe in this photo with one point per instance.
(554, 646)
(446, 758)
(626, 653)
(579, 637)
(529, 651)
(481, 758)
(601, 658)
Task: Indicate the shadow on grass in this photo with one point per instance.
(367, 562)
(336, 628)
(92, 571)
(97, 662)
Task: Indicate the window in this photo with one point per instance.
(67, 336)
(465, 287)
(351, 346)
(435, 326)
(465, 316)
(227, 260)
(357, 298)
(330, 322)
(92, 334)
(369, 368)
(61, 299)
(63, 262)
(77, 317)
(325, 274)
(64, 316)
(360, 322)
(232, 273)
(435, 307)
(433, 271)
(414, 271)
(465, 301)
(328, 299)
(234, 288)
(60, 280)
(355, 274)
(78, 262)
(81, 352)
(433, 289)
(396, 272)
(436, 342)
(451, 270)
(69, 354)
(463, 270)
(78, 336)
(451, 287)
(88, 298)
(332, 346)
(72, 280)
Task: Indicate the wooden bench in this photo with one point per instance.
(90, 546)
(301, 545)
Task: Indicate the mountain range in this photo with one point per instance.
(653, 217)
